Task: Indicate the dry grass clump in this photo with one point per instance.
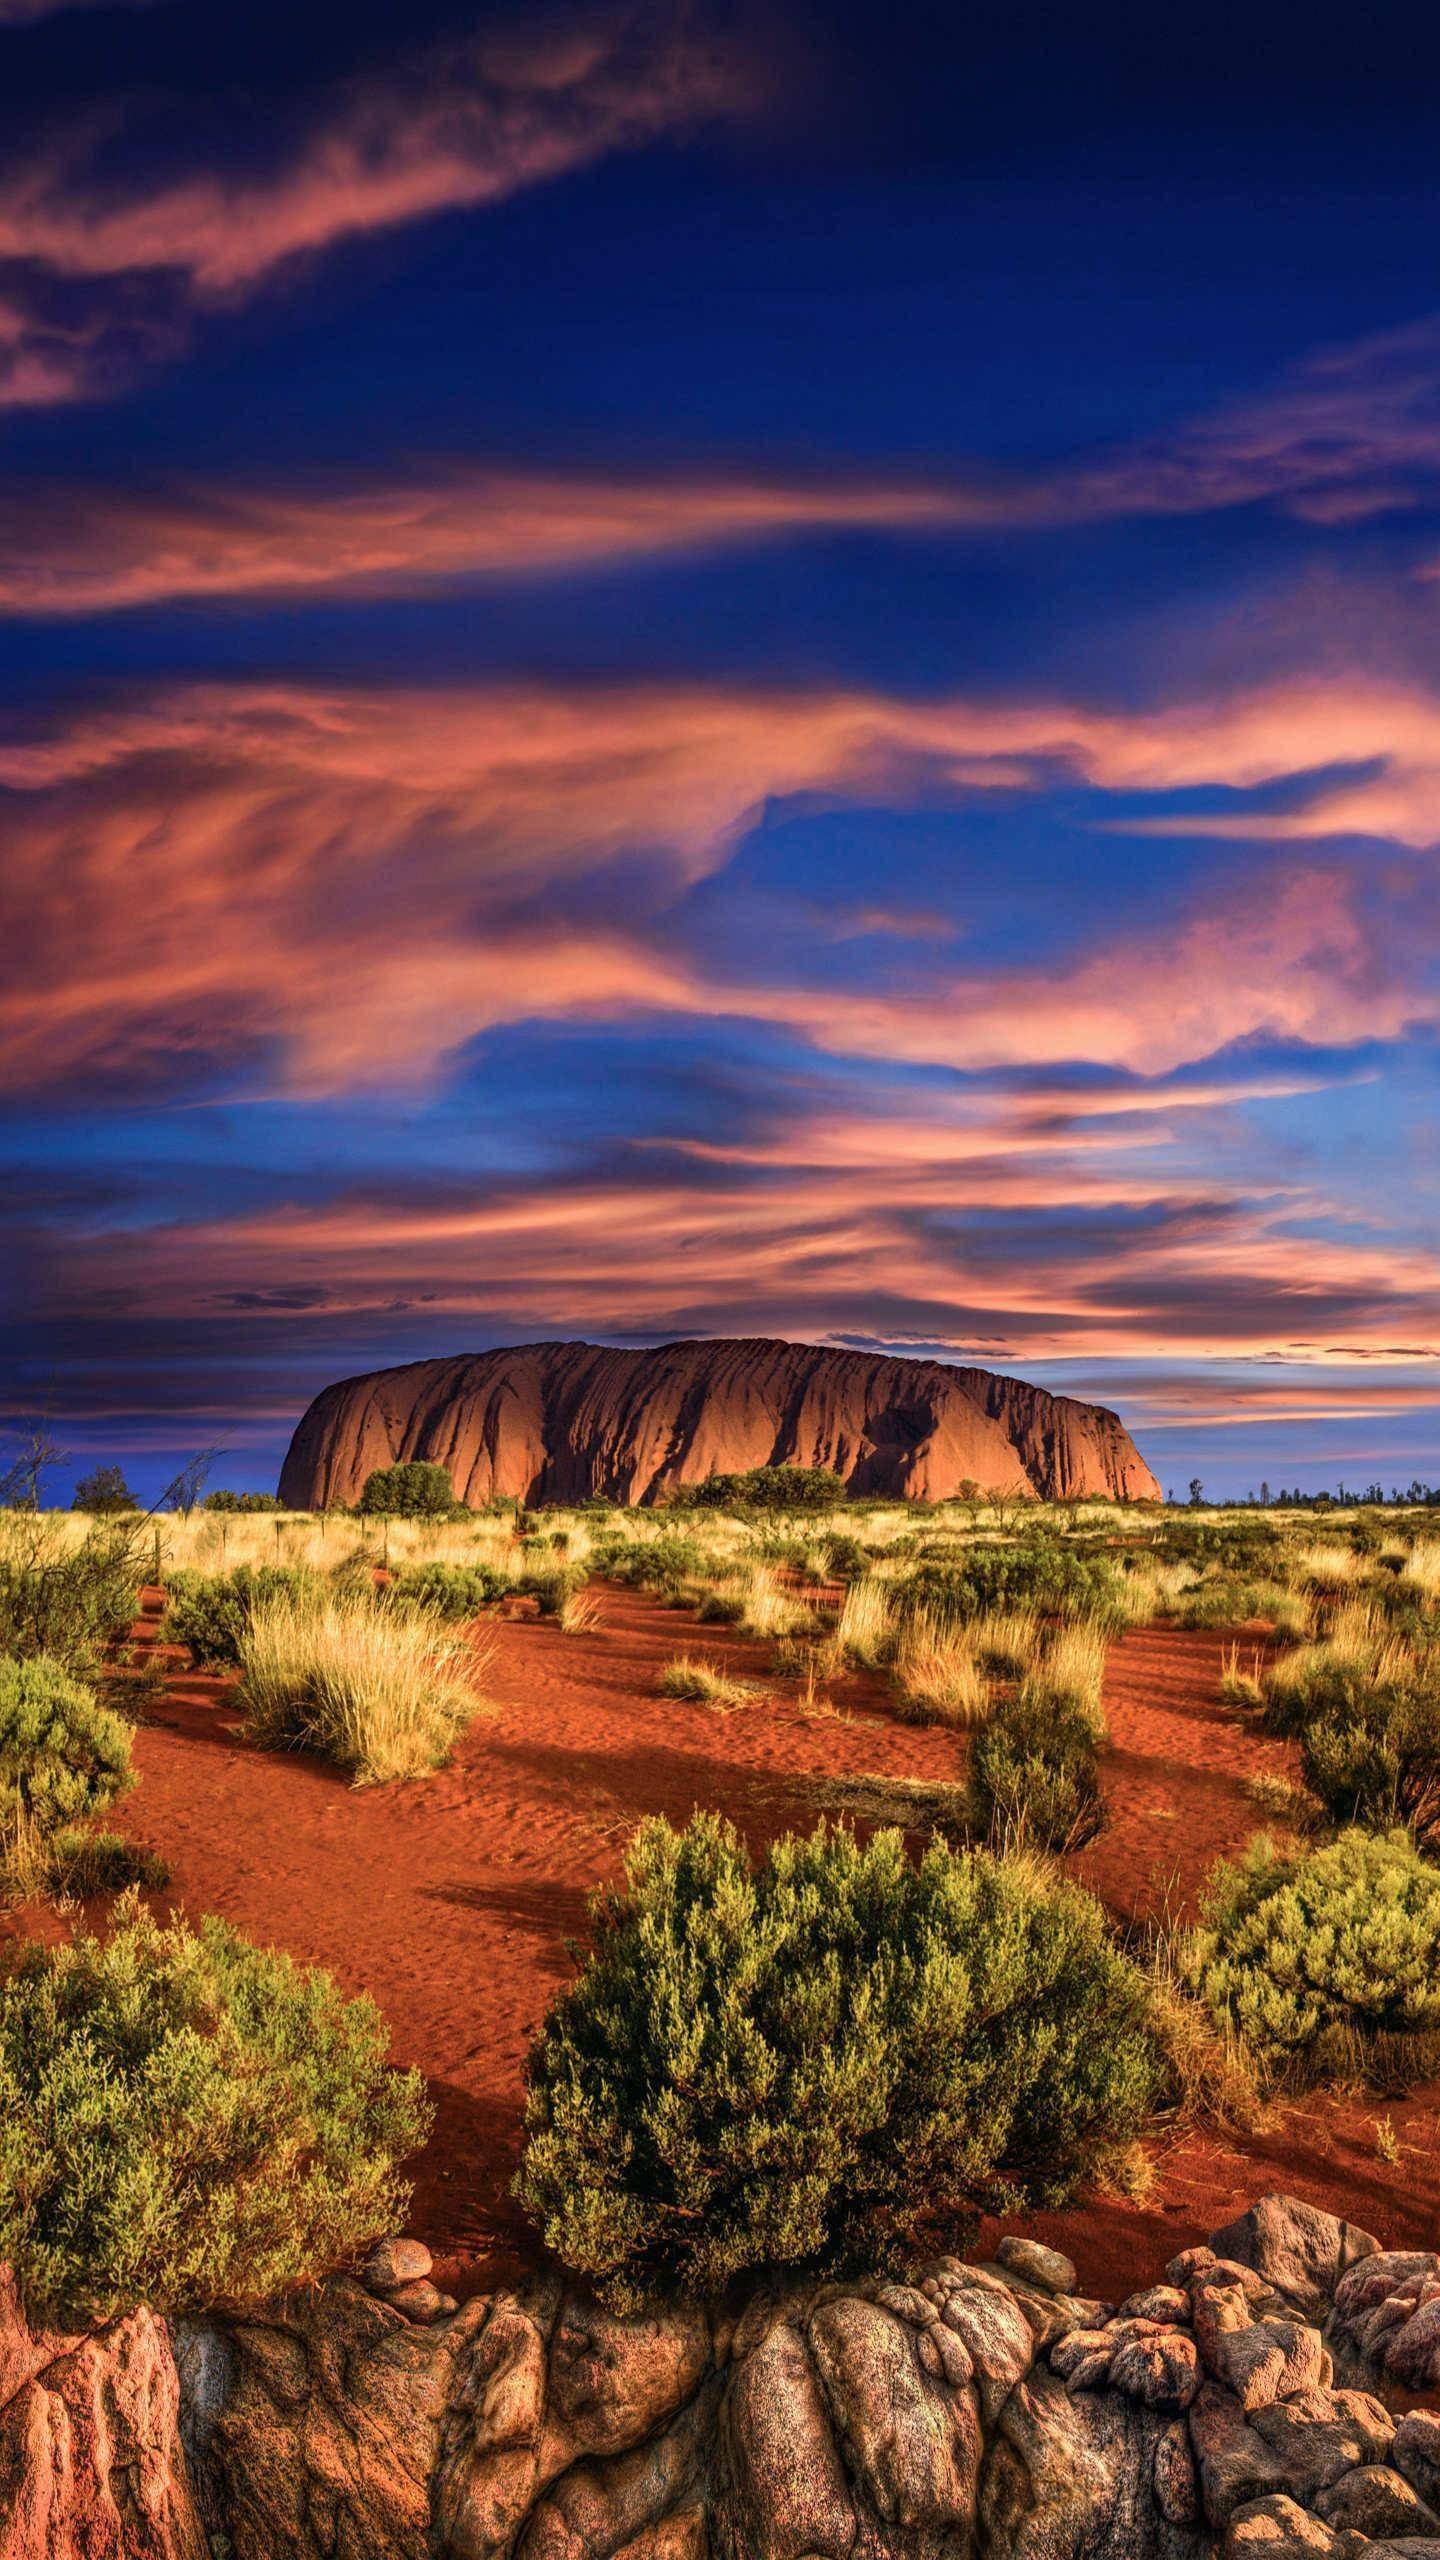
(1008, 1641)
(768, 1609)
(689, 1675)
(937, 1677)
(382, 1693)
(865, 1629)
(1421, 1569)
(1073, 1666)
(1327, 1567)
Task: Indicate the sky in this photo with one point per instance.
(678, 669)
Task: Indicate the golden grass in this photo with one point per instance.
(865, 1629)
(937, 1677)
(768, 1609)
(382, 1692)
(691, 1676)
(1073, 1665)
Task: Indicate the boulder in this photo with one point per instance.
(1378, 2502)
(1076, 2479)
(911, 2444)
(1387, 2313)
(1415, 2451)
(1036, 2265)
(1299, 2250)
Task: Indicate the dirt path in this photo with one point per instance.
(456, 1901)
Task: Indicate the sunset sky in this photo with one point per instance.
(690, 670)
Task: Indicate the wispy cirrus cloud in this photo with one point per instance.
(362, 881)
(73, 549)
(136, 259)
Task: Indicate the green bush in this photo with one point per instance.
(233, 1502)
(1035, 1771)
(829, 2060)
(1053, 1580)
(63, 1757)
(447, 1590)
(187, 2120)
(1324, 1959)
(1379, 1763)
(781, 1488)
(412, 1490)
(213, 1613)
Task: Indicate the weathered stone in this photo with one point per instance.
(913, 2447)
(991, 2325)
(1161, 2371)
(1176, 2480)
(784, 2493)
(1035, 2264)
(330, 2433)
(1317, 2435)
(1387, 2312)
(1378, 2502)
(1278, 2529)
(1083, 2358)
(1413, 2353)
(650, 2500)
(420, 2300)
(1167, 2303)
(1235, 2464)
(1297, 2248)
(489, 2468)
(1415, 2451)
(612, 2381)
(92, 2460)
(396, 2262)
(1070, 2479)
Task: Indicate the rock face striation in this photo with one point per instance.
(984, 2412)
(568, 1421)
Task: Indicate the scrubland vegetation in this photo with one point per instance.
(827, 2058)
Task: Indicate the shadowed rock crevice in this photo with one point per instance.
(567, 1421)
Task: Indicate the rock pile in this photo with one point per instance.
(1250, 2403)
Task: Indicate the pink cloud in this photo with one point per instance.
(453, 131)
(76, 550)
(371, 878)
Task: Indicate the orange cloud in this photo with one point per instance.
(371, 878)
(74, 550)
(455, 130)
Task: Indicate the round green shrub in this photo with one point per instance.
(187, 2120)
(829, 2060)
(446, 1590)
(1035, 1772)
(63, 1757)
(1325, 1959)
(212, 1613)
(413, 1489)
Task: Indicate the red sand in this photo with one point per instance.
(456, 1900)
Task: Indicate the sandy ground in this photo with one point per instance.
(458, 1901)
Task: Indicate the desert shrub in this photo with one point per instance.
(103, 1490)
(68, 1599)
(826, 2060)
(212, 1613)
(1040, 1575)
(1378, 1762)
(224, 1501)
(447, 1590)
(550, 1578)
(79, 1864)
(1035, 1771)
(413, 1489)
(1325, 1959)
(188, 2120)
(63, 1757)
(845, 1559)
(665, 1563)
(781, 1488)
(381, 1691)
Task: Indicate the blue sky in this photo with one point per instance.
(708, 670)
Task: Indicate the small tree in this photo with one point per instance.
(413, 1489)
(829, 2060)
(104, 1491)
